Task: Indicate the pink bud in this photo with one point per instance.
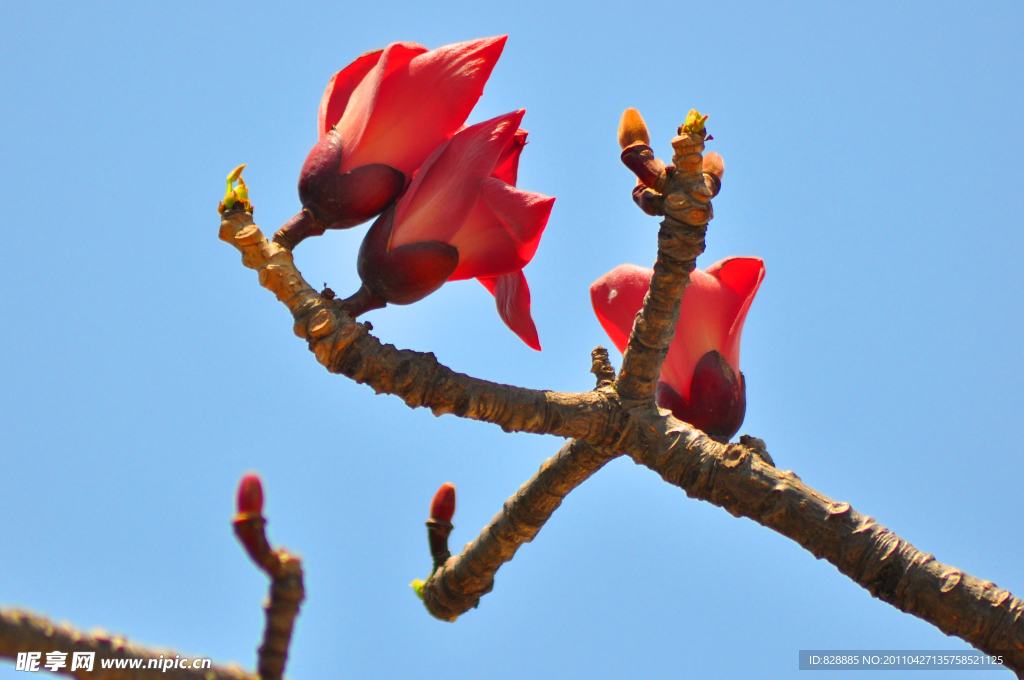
(250, 495)
(443, 506)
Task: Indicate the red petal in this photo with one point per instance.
(502, 233)
(446, 188)
(507, 169)
(705, 317)
(617, 297)
(412, 102)
(340, 88)
(711, 317)
(744, 275)
(512, 296)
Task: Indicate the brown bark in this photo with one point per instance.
(887, 566)
(287, 592)
(23, 632)
(457, 586)
(346, 347)
(686, 203)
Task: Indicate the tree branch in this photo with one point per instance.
(457, 586)
(287, 590)
(22, 632)
(346, 347)
(733, 477)
(623, 417)
(685, 201)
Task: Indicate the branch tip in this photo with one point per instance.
(235, 195)
(694, 123)
(287, 591)
(601, 367)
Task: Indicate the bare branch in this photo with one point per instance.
(686, 202)
(21, 632)
(623, 417)
(458, 585)
(286, 584)
(346, 347)
(736, 478)
(601, 367)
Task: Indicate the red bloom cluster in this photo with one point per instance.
(392, 142)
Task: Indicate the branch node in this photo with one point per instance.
(601, 367)
(758, 447)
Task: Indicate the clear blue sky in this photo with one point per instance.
(873, 160)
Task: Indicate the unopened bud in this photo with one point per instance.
(632, 129)
(714, 164)
(250, 495)
(443, 506)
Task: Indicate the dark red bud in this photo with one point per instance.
(718, 398)
(405, 274)
(250, 495)
(342, 201)
(443, 506)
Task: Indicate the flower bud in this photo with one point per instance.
(718, 398)
(442, 508)
(250, 495)
(632, 129)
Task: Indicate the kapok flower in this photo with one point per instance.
(700, 381)
(462, 217)
(380, 117)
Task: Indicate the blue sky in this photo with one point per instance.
(872, 160)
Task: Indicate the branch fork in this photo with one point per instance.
(620, 417)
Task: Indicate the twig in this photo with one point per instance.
(346, 347)
(685, 200)
(285, 571)
(623, 417)
(21, 632)
(458, 585)
(736, 478)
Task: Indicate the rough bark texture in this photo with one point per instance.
(687, 208)
(287, 592)
(346, 347)
(457, 586)
(891, 569)
(23, 632)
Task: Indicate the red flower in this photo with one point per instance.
(700, 381)
(380, 117)
(461, 218)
